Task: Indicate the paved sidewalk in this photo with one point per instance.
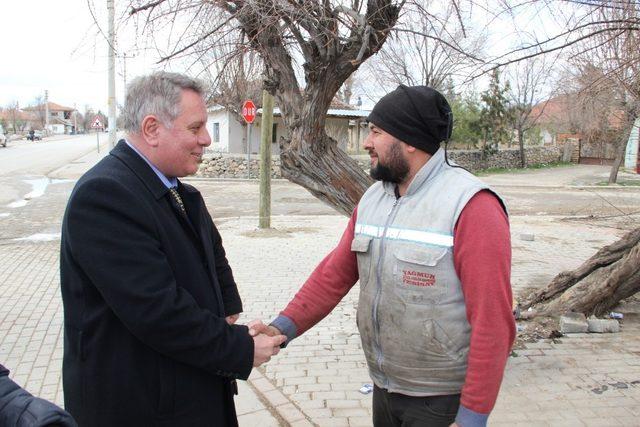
(591, 380)
(320, 373)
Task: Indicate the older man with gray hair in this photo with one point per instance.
(150, 302)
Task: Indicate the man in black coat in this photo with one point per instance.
(150, 302)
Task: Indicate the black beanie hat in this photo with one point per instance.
(417, 115)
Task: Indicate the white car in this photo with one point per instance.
(3, 137)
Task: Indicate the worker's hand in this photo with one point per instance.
(232, 319)
(265, 346)
(256, 327)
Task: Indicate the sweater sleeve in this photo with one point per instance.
(482, 258)
(328, 284)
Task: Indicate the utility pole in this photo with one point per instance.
(46, 110)
(265, 160)
(112, 74)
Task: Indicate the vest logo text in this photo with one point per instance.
(418, 278)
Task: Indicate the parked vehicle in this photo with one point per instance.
(35, 135)
(3, 137)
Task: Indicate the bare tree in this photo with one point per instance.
(233, 72)
(39, 111)
(526, 84)
(14, 116)
(329, 39)
(427, 49)
(608, 80)
(234, 75)
(606, 95)
(87, 118)
(602, 34)
(346, 91)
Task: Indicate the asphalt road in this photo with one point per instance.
(25, 166)
(28, 169)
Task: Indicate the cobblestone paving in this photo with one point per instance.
(581, 380)
(320, 373)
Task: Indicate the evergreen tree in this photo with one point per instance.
(466, 121)
(495, 114)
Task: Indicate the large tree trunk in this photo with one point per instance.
(309, 157)
(595, 287)
(523, 159)
(617, 162)
(313, 160)
(326, 171)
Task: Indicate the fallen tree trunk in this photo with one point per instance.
(595, 287)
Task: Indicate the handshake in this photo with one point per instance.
(266, 340)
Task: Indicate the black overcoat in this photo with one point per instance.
(145, 292)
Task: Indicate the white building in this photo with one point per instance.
(631, 155)
(228, 135)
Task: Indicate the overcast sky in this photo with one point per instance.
(55, 46)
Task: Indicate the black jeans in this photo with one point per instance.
(399, 410)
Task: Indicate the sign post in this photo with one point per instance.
(97, 124)
(249, 115)
(266, 135)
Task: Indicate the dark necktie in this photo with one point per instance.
(177, 198)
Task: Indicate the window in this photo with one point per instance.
(274, 133)
(216, 132)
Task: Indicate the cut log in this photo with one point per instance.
(595, 287)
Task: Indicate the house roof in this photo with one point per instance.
(215, 107)
(553, 110)
(52, 107)
(558, 110)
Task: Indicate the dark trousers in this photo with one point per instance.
(399, 410)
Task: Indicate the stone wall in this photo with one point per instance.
(234, 166)
(510, 158)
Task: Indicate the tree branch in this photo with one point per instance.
(151, 5)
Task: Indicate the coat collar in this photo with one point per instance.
(139, 167)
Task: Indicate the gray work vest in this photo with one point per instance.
(411, 310)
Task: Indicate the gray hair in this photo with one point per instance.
(158, 94)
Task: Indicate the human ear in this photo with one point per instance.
(409, 148)
(150, 130)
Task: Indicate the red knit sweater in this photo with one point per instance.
(482, 260)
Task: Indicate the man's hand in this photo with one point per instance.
(265, 346)
(232, 319)
(256, 327)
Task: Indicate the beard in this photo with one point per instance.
(395, 169)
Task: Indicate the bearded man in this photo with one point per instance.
(430, 246)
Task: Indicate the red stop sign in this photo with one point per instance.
(249, 111)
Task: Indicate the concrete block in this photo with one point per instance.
(573, 323)
(601, 326)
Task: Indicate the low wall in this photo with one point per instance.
(235, 166)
